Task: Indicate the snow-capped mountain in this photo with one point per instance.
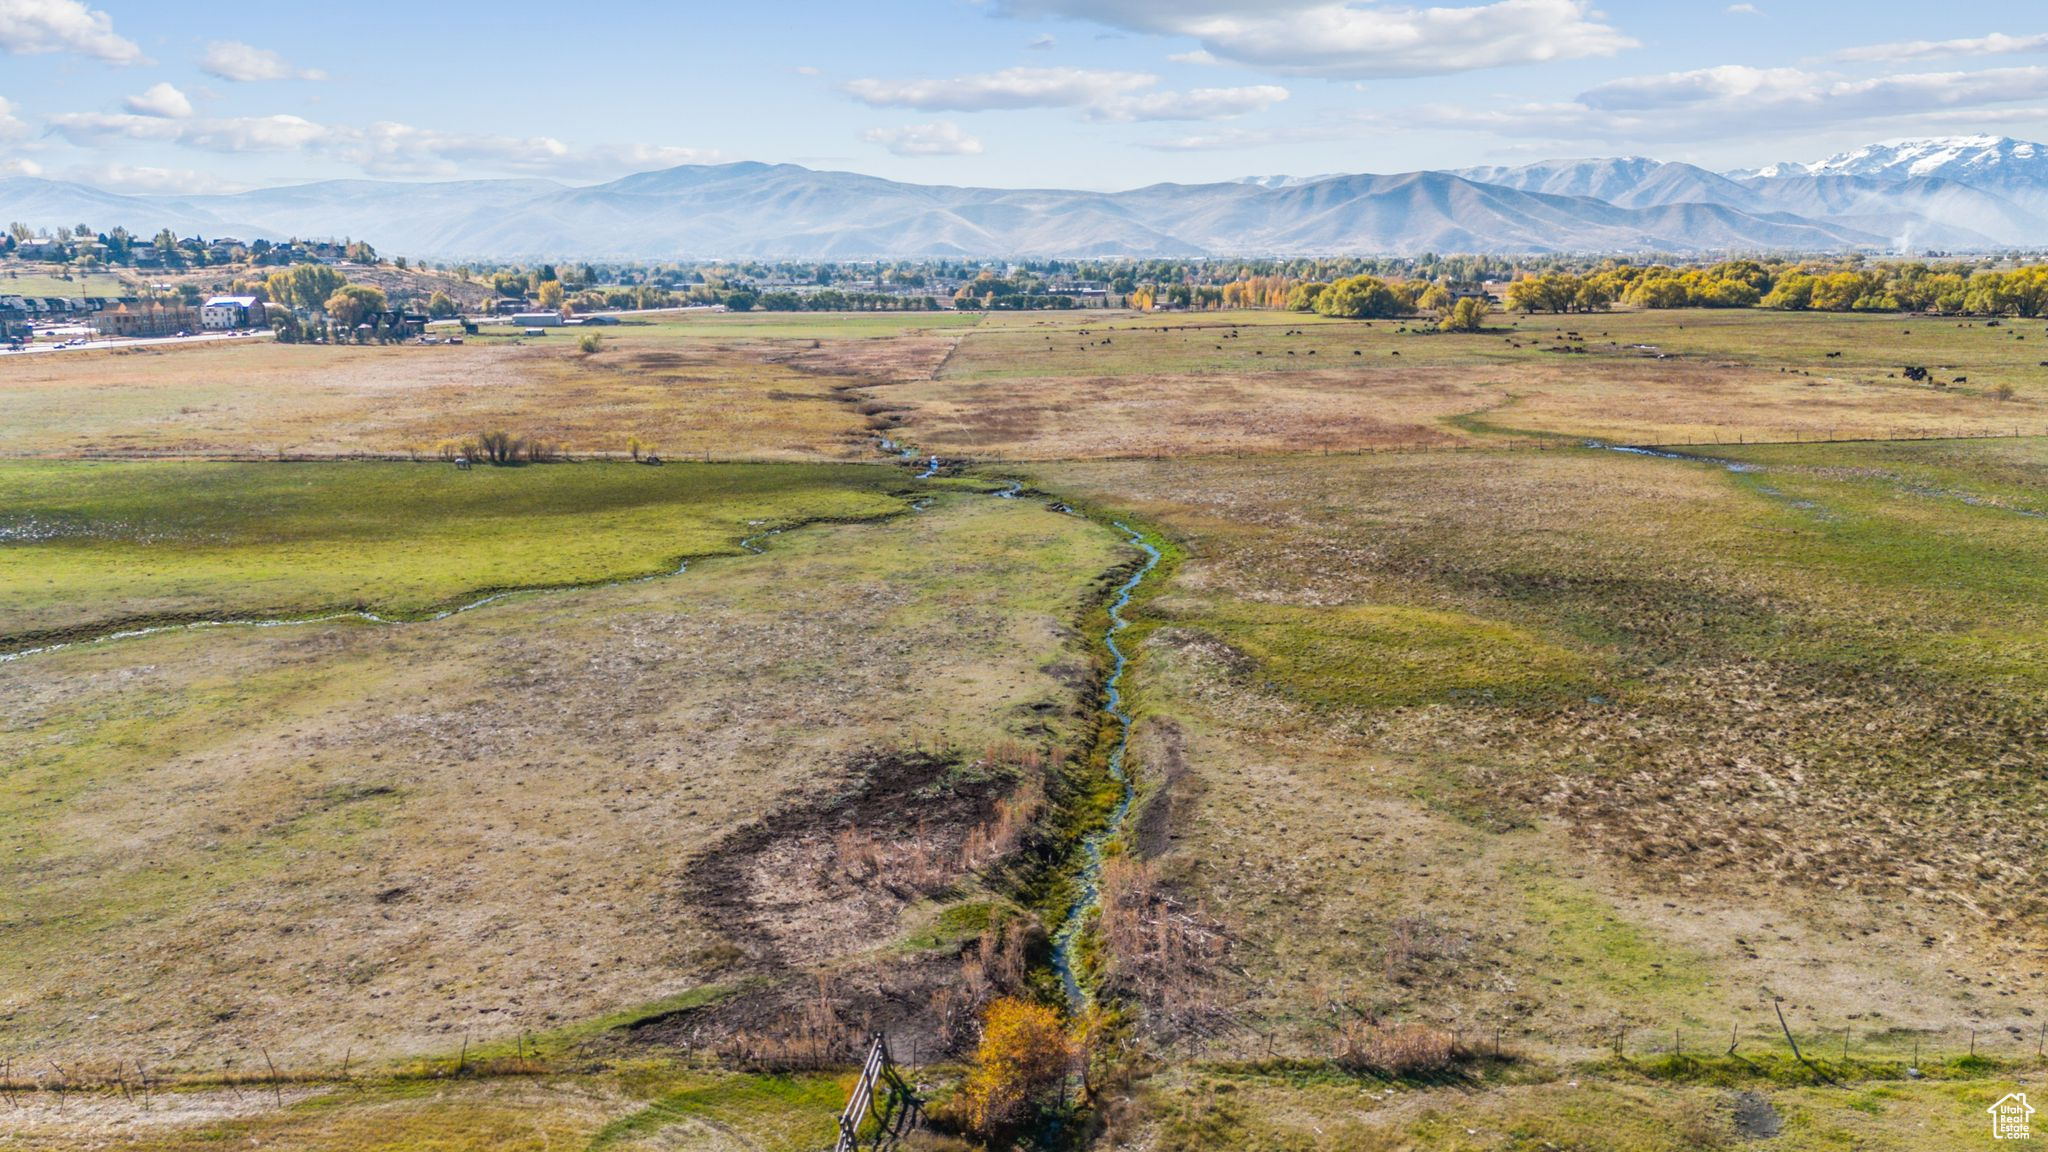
(1976, 193)
(1974, 160)
(2015, 171)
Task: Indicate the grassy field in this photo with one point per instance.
(1066, 387)
(1593, 759)
(333, 837)
(782, 386)
(685, 387)
(90, 545)
(38, 282)
(1454, 724)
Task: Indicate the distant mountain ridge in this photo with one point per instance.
(1965, 193)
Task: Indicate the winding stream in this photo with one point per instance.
(1088, 879)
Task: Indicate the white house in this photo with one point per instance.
(224, 312)
(537, 319)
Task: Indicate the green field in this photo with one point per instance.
(92, 545)
(1590, 766)
(16, 283)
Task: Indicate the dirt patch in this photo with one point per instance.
(795, 887)
(911, 356)
(803, 888)
(1163, 757)
(1755, 1118)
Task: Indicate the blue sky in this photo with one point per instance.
(1070, 93)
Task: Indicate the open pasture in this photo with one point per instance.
(1068, 386)
(1569, 741)
(91, 545)
(681, 392)
(339, 837)
(1467, 724)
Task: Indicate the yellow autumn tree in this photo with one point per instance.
(1023, 1057)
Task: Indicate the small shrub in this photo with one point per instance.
(1398, 1049)
(589, 343)
(2002, 392)
(1022, 1060)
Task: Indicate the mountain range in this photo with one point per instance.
(1976, 193)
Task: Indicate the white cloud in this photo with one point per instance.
(234, 60)
(1099, 95)
(11, 127)
(1341, 39)
(382, 149)
(1227, 140)
(20, 166)
(1008, 89)
(36, 26)
(1734, 100)
(1194, 104)
(921, 140)
(1744, 10)
(1198, 56)
(1996, 44)
(1042, 43)
(160, 100)
(212, 134)
(1235, 139)
(804, 70)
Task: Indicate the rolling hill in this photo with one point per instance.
(1971, 193)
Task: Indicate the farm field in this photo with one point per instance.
(1455, 711)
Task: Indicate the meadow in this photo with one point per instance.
(1450, 716)
(96, 546)
(307, 842)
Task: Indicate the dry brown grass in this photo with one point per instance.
(334, 837)
(261, 398)
(1067, 386)
(1620, 741)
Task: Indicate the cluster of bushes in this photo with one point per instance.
(1371, 298)
(1949, 289)
(834, 300)
(498, 447)
(1013, 303)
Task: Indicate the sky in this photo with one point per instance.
(1095, 94)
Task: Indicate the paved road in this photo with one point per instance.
(134, 342)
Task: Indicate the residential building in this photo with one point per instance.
(140, 319)
(228, 312)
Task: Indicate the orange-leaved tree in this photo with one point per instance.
(1022, 1060)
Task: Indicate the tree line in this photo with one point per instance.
(1804, 286)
